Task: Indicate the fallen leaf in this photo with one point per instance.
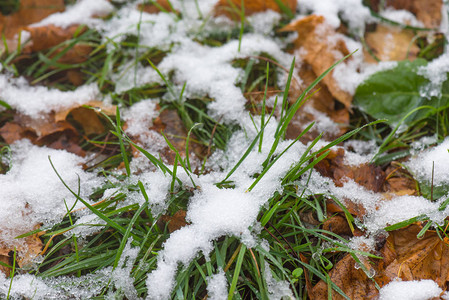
(87, 118)
(26, 251)
(391, 43)
(43, 131)
(352, 280)
(321, 107)
(320, 46)
(232, 8)
(170, 124)
(157, 7)
(367, 175)
(175, 222)
(398, 181)
(404, 256)
(4, 259)
(425, 258)
(338, 225)
(428, 12)
(46, 37)
(30, 11)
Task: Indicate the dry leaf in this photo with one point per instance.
(232, 8)
(425, 258)
(338, 225)
(154, 9)
(46, 37)
(367, 175)
(87, 118)
(30, 11)
(398, 181)
(404, 256)
(175, 222)
(428, 12)
(43, 131)
(391, 43)
(25, 253)
(320, 46)
(320, 105)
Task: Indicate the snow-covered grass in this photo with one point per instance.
(253, 202)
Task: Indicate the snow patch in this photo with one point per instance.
(410, 290)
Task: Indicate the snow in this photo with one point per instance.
(352, 11)
(27, 286)
(82, 12)
(212, 213)
(401, 16)
(438, 157)
(436, 72)
(31, 188)
(411, 290)
(22, 97)
(217, 286)
(121, 276)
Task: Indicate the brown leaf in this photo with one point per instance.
(46, 37)
(30, 11)
(391, 43)
(404, 256)
(110, 110)
(398, 181)
(338, 225)
(87, 118)
(367, 175)
(43, 131)
(154, 9)
(232, 8)
(428, 12)
(25, 252)
(321, 47)
(353, 281)
(4, 259)
(175, 222)
(425, 258)
(170, 124)
(321, 101)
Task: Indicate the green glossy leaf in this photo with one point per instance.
(391, 94)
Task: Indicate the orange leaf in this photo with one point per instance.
(428, 12)
(404, 256)
(30, 11)
(321, 48)
(389, 44)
